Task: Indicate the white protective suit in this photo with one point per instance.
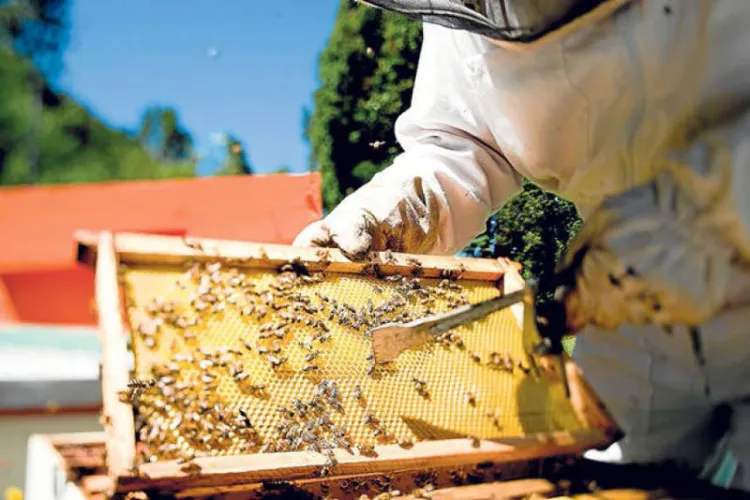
(641, 105)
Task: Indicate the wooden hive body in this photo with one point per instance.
(476, 411)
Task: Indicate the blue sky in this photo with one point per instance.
(127, 54)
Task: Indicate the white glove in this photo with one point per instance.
(451, 176)
(649, 255)
(402, 217)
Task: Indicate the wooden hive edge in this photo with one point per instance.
(295, 466)
(119, 426)
(170, 250)
(512, 488)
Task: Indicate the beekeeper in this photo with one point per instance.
(638, 111)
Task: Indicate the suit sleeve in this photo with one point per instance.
(451, 169)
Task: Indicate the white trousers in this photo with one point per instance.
(666, 388)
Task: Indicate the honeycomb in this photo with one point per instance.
(235, 360)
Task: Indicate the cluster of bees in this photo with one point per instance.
(178, 413)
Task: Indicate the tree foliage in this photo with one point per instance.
(37, 29)
(532, 228)
(163, 136)
(235, 160)
(45, 136)
(366, 74)
(49, 139)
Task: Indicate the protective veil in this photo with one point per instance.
(510, 20)
(639, 113)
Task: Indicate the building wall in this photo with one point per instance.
(7, 310)
(15, 431)
(63, 296)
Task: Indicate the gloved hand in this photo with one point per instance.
(402, 216)
(649, 255)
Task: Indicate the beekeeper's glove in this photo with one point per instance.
(433, 200)
(403, 217)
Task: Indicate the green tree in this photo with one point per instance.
(68, 144)
(532, 228)
(37, 29)
(366, 73)
(235, 162)
(163, 136)
(46, 137)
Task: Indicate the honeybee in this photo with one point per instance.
(421, 387)
(406, 443)
(191, 468)
(247, 310)
(276, 361)
(366, 450)
(244, 418)
(141, 384)
(370, 419)
(126, 396)
(205, 364)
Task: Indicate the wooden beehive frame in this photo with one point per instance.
(106, 252)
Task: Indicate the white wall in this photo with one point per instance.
(15, 432)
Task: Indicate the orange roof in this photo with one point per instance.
(37, 223)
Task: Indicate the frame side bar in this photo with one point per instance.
(119, 424)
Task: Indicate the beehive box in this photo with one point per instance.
(252, 363)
